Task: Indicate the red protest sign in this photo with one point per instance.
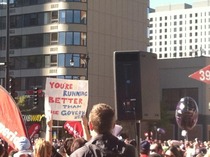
(12, 127)
(74, 128)
(202, 75)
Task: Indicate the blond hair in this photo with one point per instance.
(102, 118)
(42, 148)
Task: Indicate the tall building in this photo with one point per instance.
(70, 39)
(181, 30)
(179, 35)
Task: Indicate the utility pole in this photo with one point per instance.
(7, 48)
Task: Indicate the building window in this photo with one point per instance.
(173, 96)
(54, 38)
(72, 16)
(50, 60)
(73, 38)
(196, 21)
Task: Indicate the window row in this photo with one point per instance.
(44, 61)
(173, 48)
(174, 17)
(21, 3)
(40, 40)
(44, 18)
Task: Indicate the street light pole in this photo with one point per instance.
(7, 48)
(87, 65)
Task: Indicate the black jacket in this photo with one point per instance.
(105, 145)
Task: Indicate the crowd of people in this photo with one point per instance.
(99, 141)
(174, 148)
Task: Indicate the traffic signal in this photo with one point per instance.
(36, 95)
(12, 87)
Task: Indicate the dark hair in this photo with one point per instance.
(77, 143)
(133, 142)
(67, 145)
(176, 151)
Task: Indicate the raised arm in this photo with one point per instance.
(85, 128)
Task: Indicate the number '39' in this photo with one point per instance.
(204, 75)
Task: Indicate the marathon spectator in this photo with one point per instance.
(77, 143)
(42, 148)
(156, 150)
(23, 146)
(103, 143)
(62, 151)
(67, 146)
(173, 151)
(144, 148)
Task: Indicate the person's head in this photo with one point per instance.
(22, 143)
(62, 151)
(172, 151)
(67, 145)
(145, 147)
(102, 118)
(42, 148)
(77, 143)
(156, 147)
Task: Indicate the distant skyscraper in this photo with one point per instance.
(180, 31)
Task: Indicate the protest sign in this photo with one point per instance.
(12, 127)
(74, 128)
(66, 99)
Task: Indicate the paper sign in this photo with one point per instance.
(66, 99)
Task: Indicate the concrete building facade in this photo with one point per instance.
(179, 35)
(71, 39)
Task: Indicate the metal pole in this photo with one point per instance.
(7, 49)
(138, 133)
(87, 65)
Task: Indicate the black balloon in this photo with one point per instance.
(186, 113)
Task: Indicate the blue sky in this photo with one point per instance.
(155, 3)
